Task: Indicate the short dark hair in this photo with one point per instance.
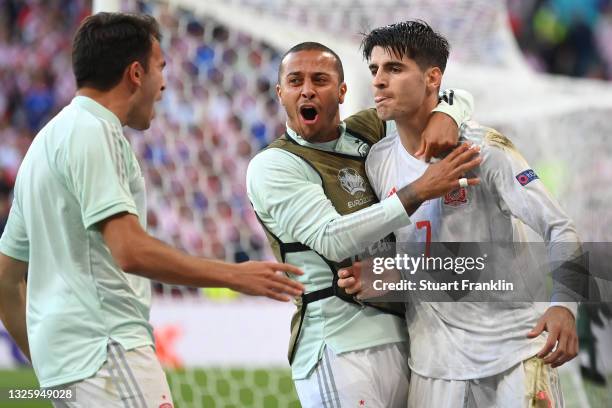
(414, 39)
(311, 45)
(107, 43)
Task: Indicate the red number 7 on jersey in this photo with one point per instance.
(427, 225)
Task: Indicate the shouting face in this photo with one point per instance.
(311, 92)
(150, 86)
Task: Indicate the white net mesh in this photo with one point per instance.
(478, 29)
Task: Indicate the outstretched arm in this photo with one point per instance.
(100, 178)
(137, 252)
(289, 198)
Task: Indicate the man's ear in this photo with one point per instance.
(433, 77)
(278, 91)
(134, 73)
(342, 92)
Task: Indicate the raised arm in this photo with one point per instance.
(289, 198)
(442, 131)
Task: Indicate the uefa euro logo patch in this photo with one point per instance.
(526, 177)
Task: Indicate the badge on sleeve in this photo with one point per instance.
(526, 177)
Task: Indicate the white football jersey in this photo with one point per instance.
(468, 340)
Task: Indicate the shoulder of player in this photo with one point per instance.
(381, 148)
(78, 134)
(489, 139)
(273, 161)
(379, 154)
(367, 116)
(366, 124)
(496, 150)
(88, 131)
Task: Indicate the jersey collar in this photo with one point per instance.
(345, 143)
(96, 109)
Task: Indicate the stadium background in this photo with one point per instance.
(226, 350)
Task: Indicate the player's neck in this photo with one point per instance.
(410, 128)
(112, 100)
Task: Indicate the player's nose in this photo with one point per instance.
(307, 91)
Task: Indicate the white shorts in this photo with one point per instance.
(376, 377)
(127, 379)
(530, 383)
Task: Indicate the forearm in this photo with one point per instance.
(350, 234)
(155, 260)
(409, 198)
(13, 313)
(570, 274)
(288, 197)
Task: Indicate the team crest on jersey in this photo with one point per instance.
(351, 181)
(456, 197)
(526, 177)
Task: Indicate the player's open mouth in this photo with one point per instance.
(309, 114)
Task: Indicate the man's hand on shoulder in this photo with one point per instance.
(440, 135)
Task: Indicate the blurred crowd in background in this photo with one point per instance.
(220, 107)
(566, 37)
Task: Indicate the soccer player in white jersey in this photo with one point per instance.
(465, 354)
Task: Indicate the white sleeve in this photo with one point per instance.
(14, 241)
(524, 195)
(286, 192)
(456, 103)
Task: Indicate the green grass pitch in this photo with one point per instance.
(241, 388)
